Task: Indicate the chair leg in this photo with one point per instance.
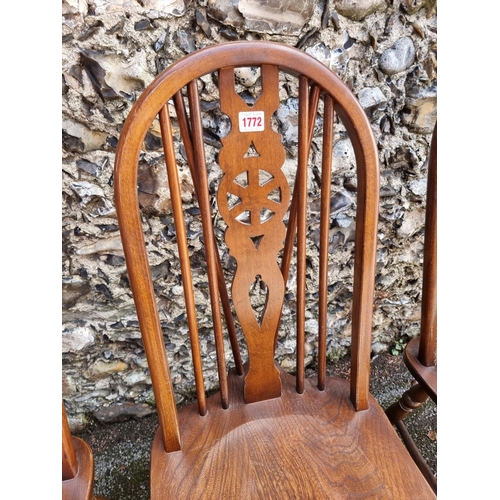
(416, 455)
(409, 401)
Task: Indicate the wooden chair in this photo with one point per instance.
(77, 466)
(266, 433)
(420, 354)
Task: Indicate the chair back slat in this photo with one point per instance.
(208, 235)
(428, 334)
(185, 129)
(326, 180)
(255, 230)
(186, 275)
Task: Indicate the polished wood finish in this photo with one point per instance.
(266, 434)
(69, 463)
(420, 353)
(425, 375)
(77, 466)
(309, 446)
(428, 336)
(252, 191)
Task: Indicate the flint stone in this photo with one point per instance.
(104, 245)
(398, 57)
(122, 412)
(418, 187)
(101, 367)
(161, 41)
(74, 7)
(226, 11)
(276, 16)
(128, 76)
(152, 8)
(143, 24)
(247, 76)
(202, 22)
(412, 222)
(73, 291)
(185, 41)
(228, 34)
(86, 191)
(357, 10)
(320, 52)
(371, 97)
(335, 59)
(420, 111)
(339, 202)
(77, 423)
(288, 115)
(80, 138)
(387, 191)
(72, 144)
(412, 6)
(137, 377)
(89, 167)
(76, 339)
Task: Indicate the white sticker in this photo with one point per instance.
(251, 121)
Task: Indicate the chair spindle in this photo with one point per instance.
(226, 304)
(428, 335)
(180, 231)
(208, 235)
(301, 179)
(326, 179)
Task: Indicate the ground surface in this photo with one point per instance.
(121, 451)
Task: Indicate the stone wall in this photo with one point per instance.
(385, 50)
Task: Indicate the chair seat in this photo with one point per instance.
(81, 486)
(300, 446)
(426, 376)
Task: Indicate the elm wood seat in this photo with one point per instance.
(77, 466)
(265, 434)
(420, 354)
(309, 446)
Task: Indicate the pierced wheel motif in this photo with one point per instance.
(253, 199)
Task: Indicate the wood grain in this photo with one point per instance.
(300, 446)
(81, 486)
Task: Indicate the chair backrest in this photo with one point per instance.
(253, 200)
(427, 354)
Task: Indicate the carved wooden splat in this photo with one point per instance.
(253, 198)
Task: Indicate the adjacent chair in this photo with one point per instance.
(266, 434)
(420, 355)
(77, 465)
